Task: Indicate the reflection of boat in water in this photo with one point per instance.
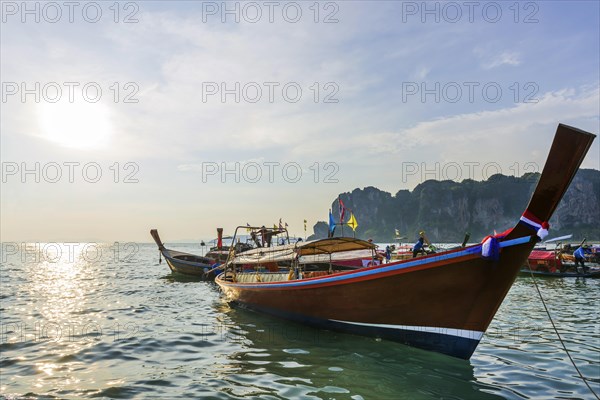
(304, 361)
(190, 264)
(442, 302)
(557, 264)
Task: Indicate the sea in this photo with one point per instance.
(109, 321)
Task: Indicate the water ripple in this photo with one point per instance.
(123, 330)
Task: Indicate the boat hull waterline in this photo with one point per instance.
(195, 268)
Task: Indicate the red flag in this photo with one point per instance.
(342, 210)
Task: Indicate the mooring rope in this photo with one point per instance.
(558, 334)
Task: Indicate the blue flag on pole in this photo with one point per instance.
(331, 224)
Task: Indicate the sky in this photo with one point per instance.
(119, 117)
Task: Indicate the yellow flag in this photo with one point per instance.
(352, 222)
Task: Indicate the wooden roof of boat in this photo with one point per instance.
(265, 254)
(332, 245)
(299, 249)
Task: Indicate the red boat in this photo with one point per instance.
(442, 302)
(554, 263)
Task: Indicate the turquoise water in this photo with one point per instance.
(81, 324)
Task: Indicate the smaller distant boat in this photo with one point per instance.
(274, 252)
(554, 263)
(189, 264)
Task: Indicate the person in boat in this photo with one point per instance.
(388, 253)
(580, 257)
(255, 239)
(418, 247)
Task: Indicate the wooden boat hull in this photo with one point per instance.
(549, 263)
(442, 302)
(186, 263)
(188, 267)
(439, 302)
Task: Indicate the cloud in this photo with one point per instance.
(515, 139)
(504, 58)
(508, 124)
(491, 56)
(368, 133)
(421, 73)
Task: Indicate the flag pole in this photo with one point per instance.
(340, 214)
(305, 230)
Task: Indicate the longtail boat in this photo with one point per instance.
(554, 263)
(441, 302)
(191, 264)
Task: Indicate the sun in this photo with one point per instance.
(77, 125)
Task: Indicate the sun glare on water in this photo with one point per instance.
(75, 125)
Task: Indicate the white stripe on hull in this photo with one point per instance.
(475, 335)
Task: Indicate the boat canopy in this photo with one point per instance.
(289, 252)
(542, 255)
(332, 245)
(261, 255)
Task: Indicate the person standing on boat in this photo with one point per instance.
(418, 246)
(580, 257)
(388, 253)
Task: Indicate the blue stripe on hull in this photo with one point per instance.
(454, 346)
(396, 266)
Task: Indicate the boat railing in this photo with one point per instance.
(266, 234)
(251, 277)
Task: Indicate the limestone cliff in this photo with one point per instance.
(448, 209)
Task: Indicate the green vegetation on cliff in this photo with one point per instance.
(448, 209)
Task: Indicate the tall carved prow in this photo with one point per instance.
(156, 238)
(568, 150)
